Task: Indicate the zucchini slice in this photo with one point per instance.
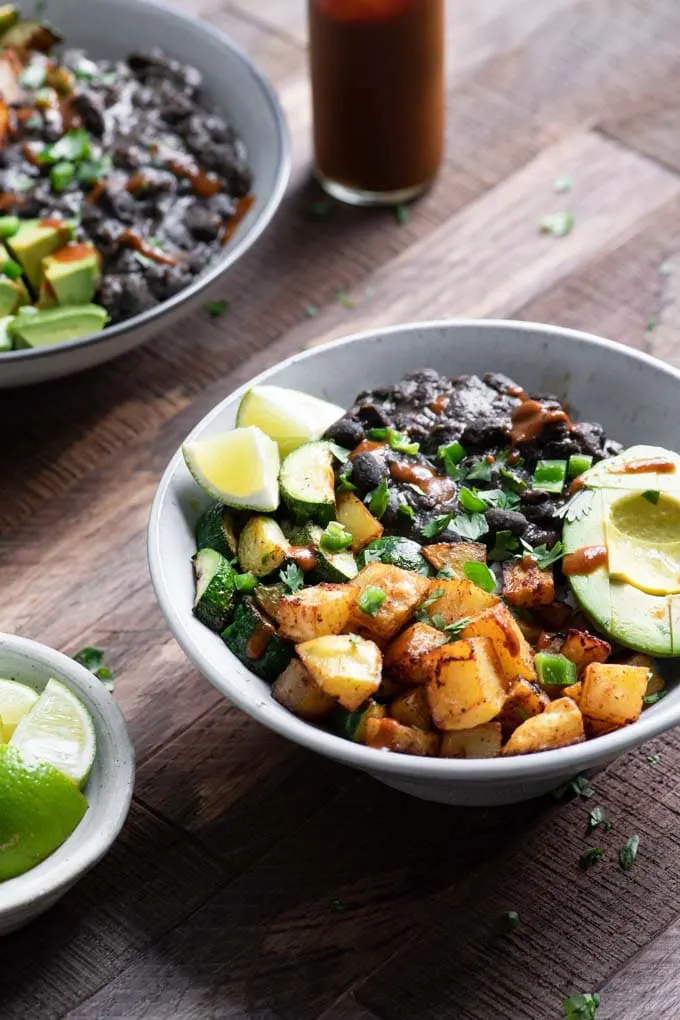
(398, 552)
(307, 482)
(253, 639)
(335, 568)
(262, 546)
(215, 530)
(215, 589)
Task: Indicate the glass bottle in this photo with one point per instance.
(377, 69)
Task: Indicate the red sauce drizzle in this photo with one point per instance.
(136, 183)
(637, 467)
(585, 561)
(243, 207)
(73, 252)
(576, 485)
(530, 417)
(367, 446)
(257, 643)
(513, 457)
(517, 391)
(432, 484)
(440, 404)
(304, 556)
(10, 201)
(204, 183)
(30, 151)
(132, 240)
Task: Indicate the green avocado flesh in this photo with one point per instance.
(56, 325)
(630, 504)
(34, 241)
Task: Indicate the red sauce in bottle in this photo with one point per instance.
(585, 561)
(377, 71)
(529, 419)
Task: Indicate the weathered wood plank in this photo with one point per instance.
(347, 1008)
(649, 984)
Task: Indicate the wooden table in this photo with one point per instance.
(254, 880)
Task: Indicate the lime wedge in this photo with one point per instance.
(15, 701)
(58, 730)
(289, 417)
(39, 809)
(240, 468)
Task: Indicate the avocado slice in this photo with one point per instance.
(9, 16)
(13, 294)
(72, 274)
(5, 339)
(57, 325)
(34, 240)
(630, 504)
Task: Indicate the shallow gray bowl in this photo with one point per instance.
(635, 397)
(235, 88)
(108, 789)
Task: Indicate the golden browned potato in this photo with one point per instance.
(403, 656)
(404, 590)
(297, 691)
(356, 518)
(347, 667)
(574, 691)
(467, 687)
(612, 694)
(514, 652)
(559, 725)
(412, 709)
(583, 648)
(525, 700)
(454, 555)
(405, 739)
(527, 585)
(316, 611)
(655, 682)
(481, 742)
(459, 599)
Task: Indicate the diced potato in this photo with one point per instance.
(481, 742)
(262, 546)
(412, 709)
(528, 585)
(459, 599)
(404, 590)
(345, 666)
(559, 725)
(389, 688)
(613, 693)
(583, 648)
(297, 691)
(574, 691)
(514, 652)
(525, 700)
(454, 555)
(316, 611)
(403, 656)
(467, 687)
(356, 518)
(656, 681)
(394, 736)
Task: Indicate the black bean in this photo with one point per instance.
(368, 470)
(347, 432)
(535, 535)
(506, 520)
(204, 224)
(372, 416)
(486, 433)
(90, 106)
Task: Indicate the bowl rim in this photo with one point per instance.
(45, 882)
(573, 759)
(249, 235)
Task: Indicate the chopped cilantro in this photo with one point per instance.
(453, 629)
(437, 525)
(72, 146)
(292, 577)
(480, 575)
(446, 573)
(597, 817)
(402, 213)
(651, 699)
(629, 852)
(378, 499)
(311, 311)
(512, 919)
(93, 659)
(406, 511)
(504, 547)
(470, 526)
(479, 472)
(651, 323)
(516, 483)
(653, 759)
(344, 298)
(581, 1007)
(562, 185)
(557, 224)
(216, 309)
(579, 785)
(651, 495)
(337, 906)
(372, 555)
(544, 557)
(498, 498)
(591, 856)
(371, 599)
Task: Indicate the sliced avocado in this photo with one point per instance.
(5, 339)
(9, 16)
(615, 473)
(71, 274)
(34, 240)
(24, 36)
(57, 325)
(12, 295)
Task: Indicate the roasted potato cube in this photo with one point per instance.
(347, 667)
(514, 652)
(559, 725)
(459, 599)
(358, 520)
(297, 691)
(467, 687)
(316, 611)
(656, 681)
(527, 585)
(412, 709)
(454, 555)
(574, 691)
(403, 656)
(405, 739)
(404, 590)
(548, 642)
(525, 700)
(481, 742)
(612, 694)
(583, 648)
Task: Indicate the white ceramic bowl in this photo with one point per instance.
(635, 397)
(108, 789)
(233, 86)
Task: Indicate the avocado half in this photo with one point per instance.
(630, 504)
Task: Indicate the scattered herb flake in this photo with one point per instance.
(591, 856)
(437, 525)
(651, 699)
(344, 298)
(512, 919)
(596, 817)
(216, 309)
(577, 507)
(446, 574)
(629, 852)
(651, 495)
(653, 759)
(371, 599)
(404, 510)
(544, 557)
(479, 472)
(292, 577)
(561, 185)
(372, 555)
(652, 323)
(454, 629)
(579, 785)
(321, 209)
(378, 499)
(581, 1007)
(337, 906)
(470, 526)
(480, 575)
(93, 659)
(311, 311)
(557, 224)
(402, 213)
(505, 546)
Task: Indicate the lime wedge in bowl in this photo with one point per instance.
(59, 731)
(289, 417)
(240, 468)
(16, 700)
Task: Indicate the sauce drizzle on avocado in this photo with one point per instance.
(586, 560)
(637, 467)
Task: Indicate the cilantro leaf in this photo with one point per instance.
(581, 1007)
(512, 919)
(557, 224)
(651, 699)
(628, 853)
(479, 472)
(292, 577)
(216, 309)
(651, 495)
(437, 525)
(93, 659)
(591, 856)
(505, 546)
(544, 557)
(470, 526)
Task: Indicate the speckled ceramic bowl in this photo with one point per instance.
(108, 789)
(635, 397)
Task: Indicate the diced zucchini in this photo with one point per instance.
(333, 567)
(262, 546)
(268, 597)
(307, 482)
(215, 530)
(358, 519)
(352, 725)
(398, 552)
(253, 640)
(215, 589)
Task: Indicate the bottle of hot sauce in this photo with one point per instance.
(377, 71)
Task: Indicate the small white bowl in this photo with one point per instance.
(632, 395)
(108, 789)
